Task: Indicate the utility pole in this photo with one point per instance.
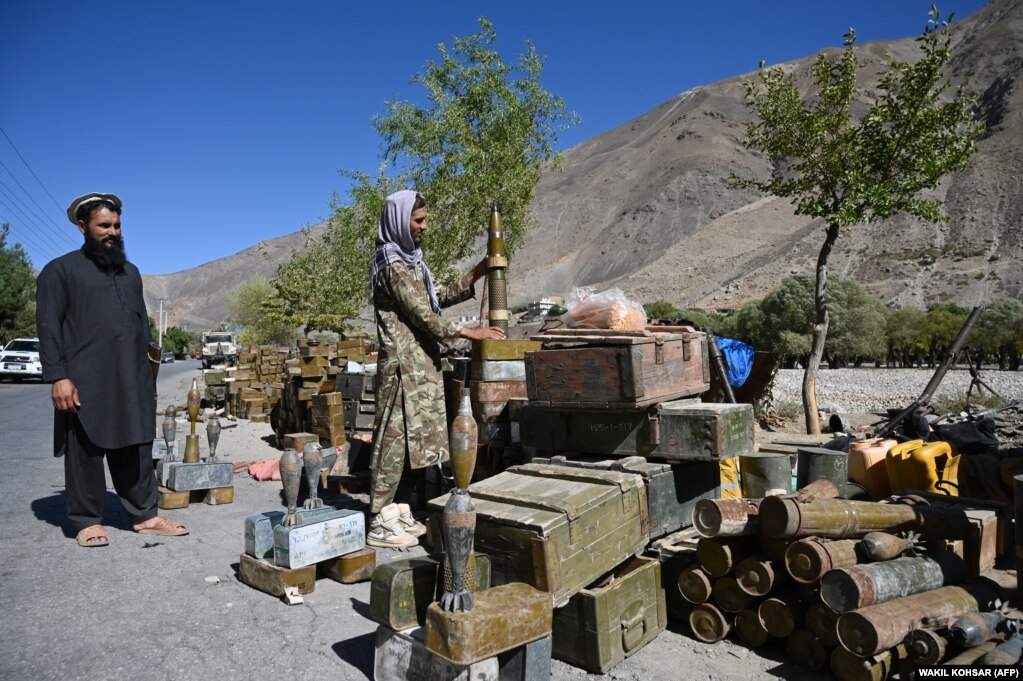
(160, 322)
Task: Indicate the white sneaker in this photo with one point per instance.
(385, 530)
(409, 524)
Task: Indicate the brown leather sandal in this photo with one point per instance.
(163, 528)
(94, 535)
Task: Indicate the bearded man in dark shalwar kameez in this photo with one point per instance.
(410, 431)
(94, 340)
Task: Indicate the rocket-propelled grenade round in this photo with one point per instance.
(497, 263)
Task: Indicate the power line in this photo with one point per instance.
(23, 238)
(29, 216)
(31, 171)
(42, 212)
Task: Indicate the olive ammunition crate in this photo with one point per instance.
(672, 489)
(612, 619)
(681, 430)
(593, 369)
(556, 528)
(357, 386)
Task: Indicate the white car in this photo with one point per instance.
(20, 359)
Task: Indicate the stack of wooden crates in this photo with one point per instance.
(622, 449)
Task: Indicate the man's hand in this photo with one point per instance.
(65, 395)
(481, 333)
(476, 273)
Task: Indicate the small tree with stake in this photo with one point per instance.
(850, 169)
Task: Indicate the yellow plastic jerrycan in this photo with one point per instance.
(867, 465)
(923, 465)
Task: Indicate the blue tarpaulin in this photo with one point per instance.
(739, 357)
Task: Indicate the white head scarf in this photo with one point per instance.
(394, 242)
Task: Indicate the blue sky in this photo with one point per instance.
(221, 124)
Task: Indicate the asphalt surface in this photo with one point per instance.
(173, 608)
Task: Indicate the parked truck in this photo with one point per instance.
(218, 349)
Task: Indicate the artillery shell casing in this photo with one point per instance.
(928, 646)
(858, 586)
(833, 518)
(1005, 653)
(726, 517)
(695, 585)
(757, 576)
(806, 650)
(848, 667)
(822, 622)
(720, 556)
(870, 630)
(750, 629)
(810, 559)
(781, 617)
(708, 623)
(728, 596)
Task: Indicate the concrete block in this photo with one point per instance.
(319, 539)
(189, 476)
(259, 530)
(163, 469)
(403, 656)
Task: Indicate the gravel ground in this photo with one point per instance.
(875, 390)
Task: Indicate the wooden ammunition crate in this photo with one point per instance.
(616, 370)
(556, 528)
(672, 490)
(609, 621)
(682, 430)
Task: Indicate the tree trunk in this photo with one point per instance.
(820, 334)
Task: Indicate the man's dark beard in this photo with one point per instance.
(107, 257)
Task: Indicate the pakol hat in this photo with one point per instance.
(90, 198)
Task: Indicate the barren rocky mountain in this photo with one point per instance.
(647, 206)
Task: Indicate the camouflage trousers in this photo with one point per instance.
(391, 474)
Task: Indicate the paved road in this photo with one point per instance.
(172, 609)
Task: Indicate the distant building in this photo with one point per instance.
(540, 308)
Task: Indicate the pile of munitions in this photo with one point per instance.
(254, 385)
(831, 578)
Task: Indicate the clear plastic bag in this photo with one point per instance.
(608, 309)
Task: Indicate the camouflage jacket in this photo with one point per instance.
(409, 333)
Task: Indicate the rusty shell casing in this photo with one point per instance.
(726, 517)
(497, 262)
(213, 429)
(1005, 653)
(806, 650)
(817, 489)
(728, 596)
(849, 667)
(781, 616)
(709, 625)
(974, 628)
(928, 646)
(834, 518)
(858, 586)
(969, 656)
(879, 546)
(757, 575)
(749, 628)
(809, 559)
(291, 480)
(870, 630)
(459, 526)
(720, 556)
(822, 622)
(695, 585)
(312, 462)
(773, 548)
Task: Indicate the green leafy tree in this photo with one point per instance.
(848, 167)
(941, 326)
(906, 335)
(248, 307)
(17, 287)
(177, 340)
(660, 309)
(485, 131)
(999, 333)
